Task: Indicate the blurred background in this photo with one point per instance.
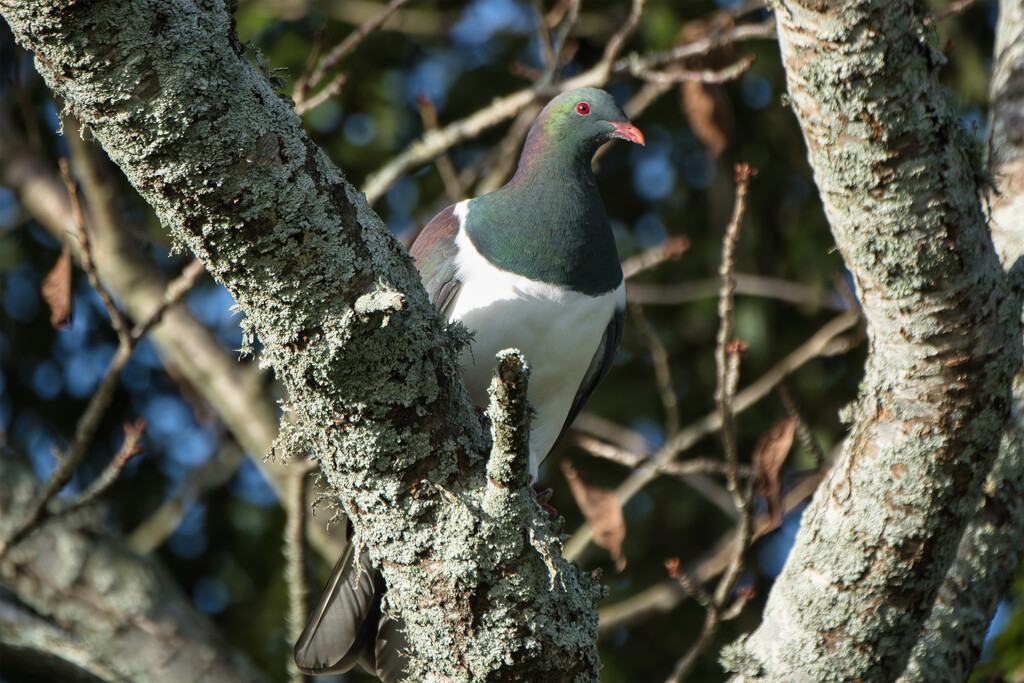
(448, 59)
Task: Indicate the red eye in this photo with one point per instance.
(582, 108)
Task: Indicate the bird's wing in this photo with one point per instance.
(599, 367)
(340, 627)
(435, 251)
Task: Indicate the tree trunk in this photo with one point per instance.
(900, 186)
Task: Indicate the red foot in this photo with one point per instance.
(543, 497)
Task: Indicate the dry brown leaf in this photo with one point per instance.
(603, 512)
(769, 456)
(709, 112)
(707, 106)
(56, 290)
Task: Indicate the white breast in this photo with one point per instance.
(557, 329)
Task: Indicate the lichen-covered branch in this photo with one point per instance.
(899, 184)
(990, 549)
(371, 372)
(121, 616)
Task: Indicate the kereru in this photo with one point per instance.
(532, 265)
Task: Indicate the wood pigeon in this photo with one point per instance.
(532, 265)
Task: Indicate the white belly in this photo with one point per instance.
(558, 331)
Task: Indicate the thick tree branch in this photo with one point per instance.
(899, 187)
(346, 325)
(121, 616)
(990, 549)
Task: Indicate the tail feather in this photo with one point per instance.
(348, 627)
(339, 630)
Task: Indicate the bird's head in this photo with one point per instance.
(584, 119)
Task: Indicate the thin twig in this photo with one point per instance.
(302, 85)
(727, 360)
(558, 58)
(547, 54)
(686, 663)
(686, 437)
(666, 595)
(747, 285)
(693, 588)
(625, 32)
(21, 93)
(956, 7)
(728, 73)
(803, 432)
(352, 41)
(89, 423)
(294, 553)
(117, 320)
(763, 30)
(633, 459)
(444, 163)
(328, 91)
(153, 531)
(434, 142)
(133, 432)
(625, 445)
(726, 380)
(84, 433)
(502, 159)
(176, 289)
(662, 369)
(672, 249)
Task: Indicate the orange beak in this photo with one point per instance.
(627, 131)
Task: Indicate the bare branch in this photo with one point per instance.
(666, 595)
(629, 458)
(953, 8)
(803, 432)
(302, 85)
(352, 41)
(176, 289)
(155, 529)
(672, 249)
(326, 93)
(726, 353)
(434, 142)
(133, 432)
(685, 438)
(748, 285)
(729, 73)
(662, 369)
(615, 45)
(117, 321)
(444, 163)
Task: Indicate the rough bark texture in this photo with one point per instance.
(346, 326)
(107, 612)
(899, 185)
(991, 548)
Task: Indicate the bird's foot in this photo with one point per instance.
(543, 497)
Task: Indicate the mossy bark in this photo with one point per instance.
(345, 324)
(899, 178)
